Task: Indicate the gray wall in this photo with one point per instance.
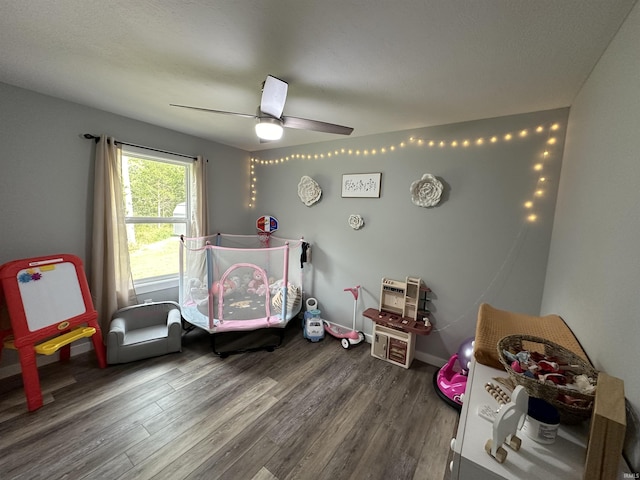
(46, 175)
(593, 276)
(47, 172)
(476, 246)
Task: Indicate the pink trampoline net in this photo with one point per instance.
(234, 282)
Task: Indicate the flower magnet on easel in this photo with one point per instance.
(426, 192)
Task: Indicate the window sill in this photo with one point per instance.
(146, 287)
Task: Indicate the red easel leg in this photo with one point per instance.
(98, 346)
(30, 377)
(65, 353)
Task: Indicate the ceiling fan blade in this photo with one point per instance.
(315, 125)
(274, 94)
(246, 115)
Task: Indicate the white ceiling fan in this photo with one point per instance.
(269, 118)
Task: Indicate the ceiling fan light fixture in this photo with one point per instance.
(268, 128)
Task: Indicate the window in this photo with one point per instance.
(156, 194)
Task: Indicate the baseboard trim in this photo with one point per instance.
(14, 368)
(41, 360)
(430, 359)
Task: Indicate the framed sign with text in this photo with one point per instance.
(361, 185)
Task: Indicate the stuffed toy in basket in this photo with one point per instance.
(550, 372)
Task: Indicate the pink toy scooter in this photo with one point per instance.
(347, 337)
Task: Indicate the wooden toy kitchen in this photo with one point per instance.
(402, 315)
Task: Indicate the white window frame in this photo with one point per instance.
(162, 282)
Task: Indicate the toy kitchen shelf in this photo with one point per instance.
(397, 322)
(399, 319)
(402, 298)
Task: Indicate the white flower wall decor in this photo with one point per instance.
(426, 191)
(309, 191)
(356, 221)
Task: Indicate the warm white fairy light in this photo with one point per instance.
(417, 141)
(539, 192)
(252, 176)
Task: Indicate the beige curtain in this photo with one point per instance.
(196, 265)
(111, 282)
(199, 215)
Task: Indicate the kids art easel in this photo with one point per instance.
(49, 306)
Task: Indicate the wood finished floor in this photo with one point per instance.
(305, 411)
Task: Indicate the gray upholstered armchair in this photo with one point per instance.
(144, 331)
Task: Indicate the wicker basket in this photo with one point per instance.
(569, 414)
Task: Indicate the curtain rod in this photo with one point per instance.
(89, 136)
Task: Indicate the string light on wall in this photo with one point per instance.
(253, 180)
(525, 133)
(540, 188)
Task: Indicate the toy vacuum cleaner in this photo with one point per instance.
(450, 382)
(312, 327)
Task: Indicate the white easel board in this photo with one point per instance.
(50, 294)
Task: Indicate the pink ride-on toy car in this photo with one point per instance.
(450, 384)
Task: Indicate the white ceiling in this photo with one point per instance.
(375, 65)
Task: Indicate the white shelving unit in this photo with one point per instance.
(562, 460)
